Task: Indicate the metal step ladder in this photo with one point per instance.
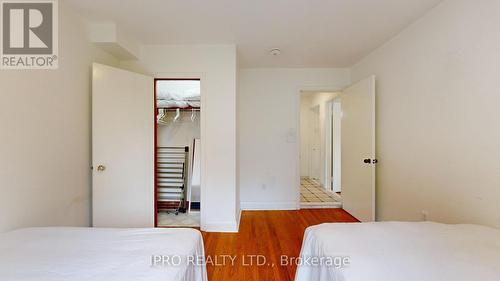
(171, 178)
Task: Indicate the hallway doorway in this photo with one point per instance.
(317, 151)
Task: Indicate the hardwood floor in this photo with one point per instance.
(267, 234)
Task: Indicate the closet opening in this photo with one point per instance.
(177, 152)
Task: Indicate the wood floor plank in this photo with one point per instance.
(269, 235)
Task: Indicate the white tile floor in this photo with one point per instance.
(182, 219)
(312, 195)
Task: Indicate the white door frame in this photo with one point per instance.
(328, 146)
(298, 92)
(333, 147)
(330, 150)
(337, 168)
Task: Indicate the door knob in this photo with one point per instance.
(367, 161)
(101, 168)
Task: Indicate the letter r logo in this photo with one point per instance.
(27, 28)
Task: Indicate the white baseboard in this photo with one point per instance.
(223, 226)
(290, 205)
(220, 226)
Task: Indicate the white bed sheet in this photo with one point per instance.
(399, 251)
(53, 254)
(177, 104)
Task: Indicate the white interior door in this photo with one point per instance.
(122, 148)
(358, 149)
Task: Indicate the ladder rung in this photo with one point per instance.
(167, 170)
(168, 153)
(171, 149)
(172, 184)
(171, 155)
(169, 190)
(170, 165)
(170, 161)
(160, 180)
(168, 176)
(168, 199)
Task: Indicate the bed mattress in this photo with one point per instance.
(102, 254)
(395, 251)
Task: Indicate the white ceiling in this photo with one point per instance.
(310, 33)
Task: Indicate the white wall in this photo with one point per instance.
(304, 134)
(215, 65)
(180, 133)
(268, 101)
(45, 135)
(438, 116)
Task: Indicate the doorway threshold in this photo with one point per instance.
(191, 219)
(320, 205)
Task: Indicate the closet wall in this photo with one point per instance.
(216, 66)
(179, 133)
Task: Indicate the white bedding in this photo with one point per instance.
(57, 254)
(397, 251)
(177, 103)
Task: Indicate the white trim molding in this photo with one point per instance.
(221, 226)
(287, 205)
(321, 205)
(238, 220)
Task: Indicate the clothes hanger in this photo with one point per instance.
(162, 117)
(177, 114)
(193, 115)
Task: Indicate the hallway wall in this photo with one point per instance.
(268, 128)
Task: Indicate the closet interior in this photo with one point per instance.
(177, 155)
